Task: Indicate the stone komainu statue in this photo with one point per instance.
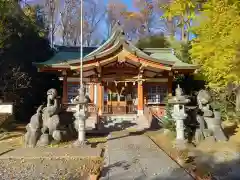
(51, 120)
(34, 129)
(45, 122)
(209, 119)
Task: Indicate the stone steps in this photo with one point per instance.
(129, 121)
(118, 119)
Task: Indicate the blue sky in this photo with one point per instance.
(128, 3)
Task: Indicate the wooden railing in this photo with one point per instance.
(148, 114)
(92, 108)
(158, 111)
(127, 109)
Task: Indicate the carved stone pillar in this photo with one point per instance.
(80, 117)
(179, 116)
(140, 98)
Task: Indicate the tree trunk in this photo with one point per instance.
(182, 28)
(52, 37)
(237, 108)
(52, 29)
(171, 29)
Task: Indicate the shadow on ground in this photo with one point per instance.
(110, 125)
(230, 130)
(210, 169)
(217, 165)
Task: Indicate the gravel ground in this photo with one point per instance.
(37, 169)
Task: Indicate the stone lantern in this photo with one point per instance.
(81, 115)
(179, 114)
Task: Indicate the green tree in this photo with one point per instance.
(35, 15)
(183, 12)
(154, 41)
(20, 46)
(181, 49)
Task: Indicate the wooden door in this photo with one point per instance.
(117, 103)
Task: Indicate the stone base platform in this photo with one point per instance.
(51, 153)
(48, 163)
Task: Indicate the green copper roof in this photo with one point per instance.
(167, 54)
(65, 54)
(71, 55)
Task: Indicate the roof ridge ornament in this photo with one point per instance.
(118, 27)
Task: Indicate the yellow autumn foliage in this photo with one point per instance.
(217, 43)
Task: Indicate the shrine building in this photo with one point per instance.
(119, 78)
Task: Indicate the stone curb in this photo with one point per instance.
(48, 158)
(2, 152)
(106, 162)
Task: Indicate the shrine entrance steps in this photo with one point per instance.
(118, 122)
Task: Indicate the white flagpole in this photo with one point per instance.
(81, 46)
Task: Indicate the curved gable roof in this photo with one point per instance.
(68, 56)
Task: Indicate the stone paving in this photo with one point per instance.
(136, 157)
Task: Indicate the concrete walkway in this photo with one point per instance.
(138, 158)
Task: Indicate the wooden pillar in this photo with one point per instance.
(91, 92)
(65, 93)
(140, 98)
(170, 80)
(100, 98)
(95, 94)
